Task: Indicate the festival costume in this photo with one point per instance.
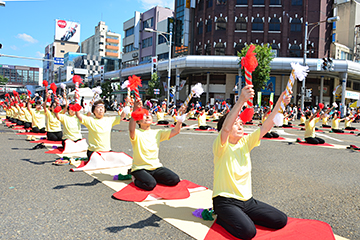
(202, 122)
(237, 211)
(325, 122)
(53, 127)
(72, 127)
(310, 132)
(335, 126)
(302, 120)
(160, 118)
(99, 132)
(269, 134)
(286, 123)
(348, 126)
(38, 120)
(28, 117)
(146, 168)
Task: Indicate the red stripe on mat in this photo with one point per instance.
(55, 151)
(279, 138)
(308, 144)
(296, 229)
(47, 141)
(345, 133)
(132, 193)
(200, 130)
(32, 134)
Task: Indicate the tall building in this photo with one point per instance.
(224, 27)
(346, 43)
(103, 43)
(138, 45)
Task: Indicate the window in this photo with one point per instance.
(129, 48)
(274, 24)
(275, 2)
(239, 47)
(241, 2)
(180, 3)
(296, 2)
(129, 32)
(62, 43)
(161, 39)
(198, 50)
(240, 24)
(208, 50)
(148, 23)
(219, 49)
(101, 43)
(275, 49)
(258, 24)
(295, 51)
(163, 56)
(200, 28)
(62, 51)
(348, 84)
(200, 5)
(221, 2)
(258, 2)
(220, 24)
(334, 25)
(209, 3)
(209, 25)
(146, 42)
(296, 25)
(333, 37)
(146, 59)
(356, 86)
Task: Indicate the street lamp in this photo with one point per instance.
(169, 70)
(329, 20)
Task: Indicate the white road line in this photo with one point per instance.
(323, 135)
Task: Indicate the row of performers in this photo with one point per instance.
(237, 211)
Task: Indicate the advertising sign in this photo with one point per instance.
(58, 61)
(67, 31)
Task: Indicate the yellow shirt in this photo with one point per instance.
(325, 120)
(15, 112)
(160, 116)
(52, 123)
(217, 116)
(348, 122)
(38, 118)
(335, 123)
(202, 120)
(310, 127)
(100, 132)
(72, 127)
(302, 119)
(21, 114)
(285, 121)
(232, 167)
(146, 148)
(28, 117)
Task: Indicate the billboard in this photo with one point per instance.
(67, 31)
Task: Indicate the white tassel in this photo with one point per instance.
(63, 86)
(278, 119)
(97, 90)
(197, 89)
(181, 118)
(125, 84)
(335, 105)
(300, 71)
(126, 110)
(50, 91)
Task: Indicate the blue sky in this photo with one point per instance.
(27, 27)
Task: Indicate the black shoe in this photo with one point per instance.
(39, 146)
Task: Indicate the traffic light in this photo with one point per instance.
(325, 65)
(154, 65)
(172, 91)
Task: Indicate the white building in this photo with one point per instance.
(103, 43)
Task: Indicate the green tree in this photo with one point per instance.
(3, 80)
(261, 74)
(106, 89)
(154, 83)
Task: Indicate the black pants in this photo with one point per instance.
(286, 126)
(271, 135)
(147, 180)
(302, 124)
(54, 136)
(350, 128)
(27, 125)
(337, 130)
(163, 122)
(204, 127)
(37, 130)
(314, 140)
(20, 123)
(326, 126)
(239, 217)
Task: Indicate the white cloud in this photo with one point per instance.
(147, 4)
(26, 38)
(39, 54)
(13, 47)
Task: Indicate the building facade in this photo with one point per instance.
(138, 45)
(103, 43)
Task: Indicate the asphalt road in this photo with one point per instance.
(43, 201)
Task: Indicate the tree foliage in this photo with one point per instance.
(106, 89)
(3, 80)
(154, 83)
(262, 72)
